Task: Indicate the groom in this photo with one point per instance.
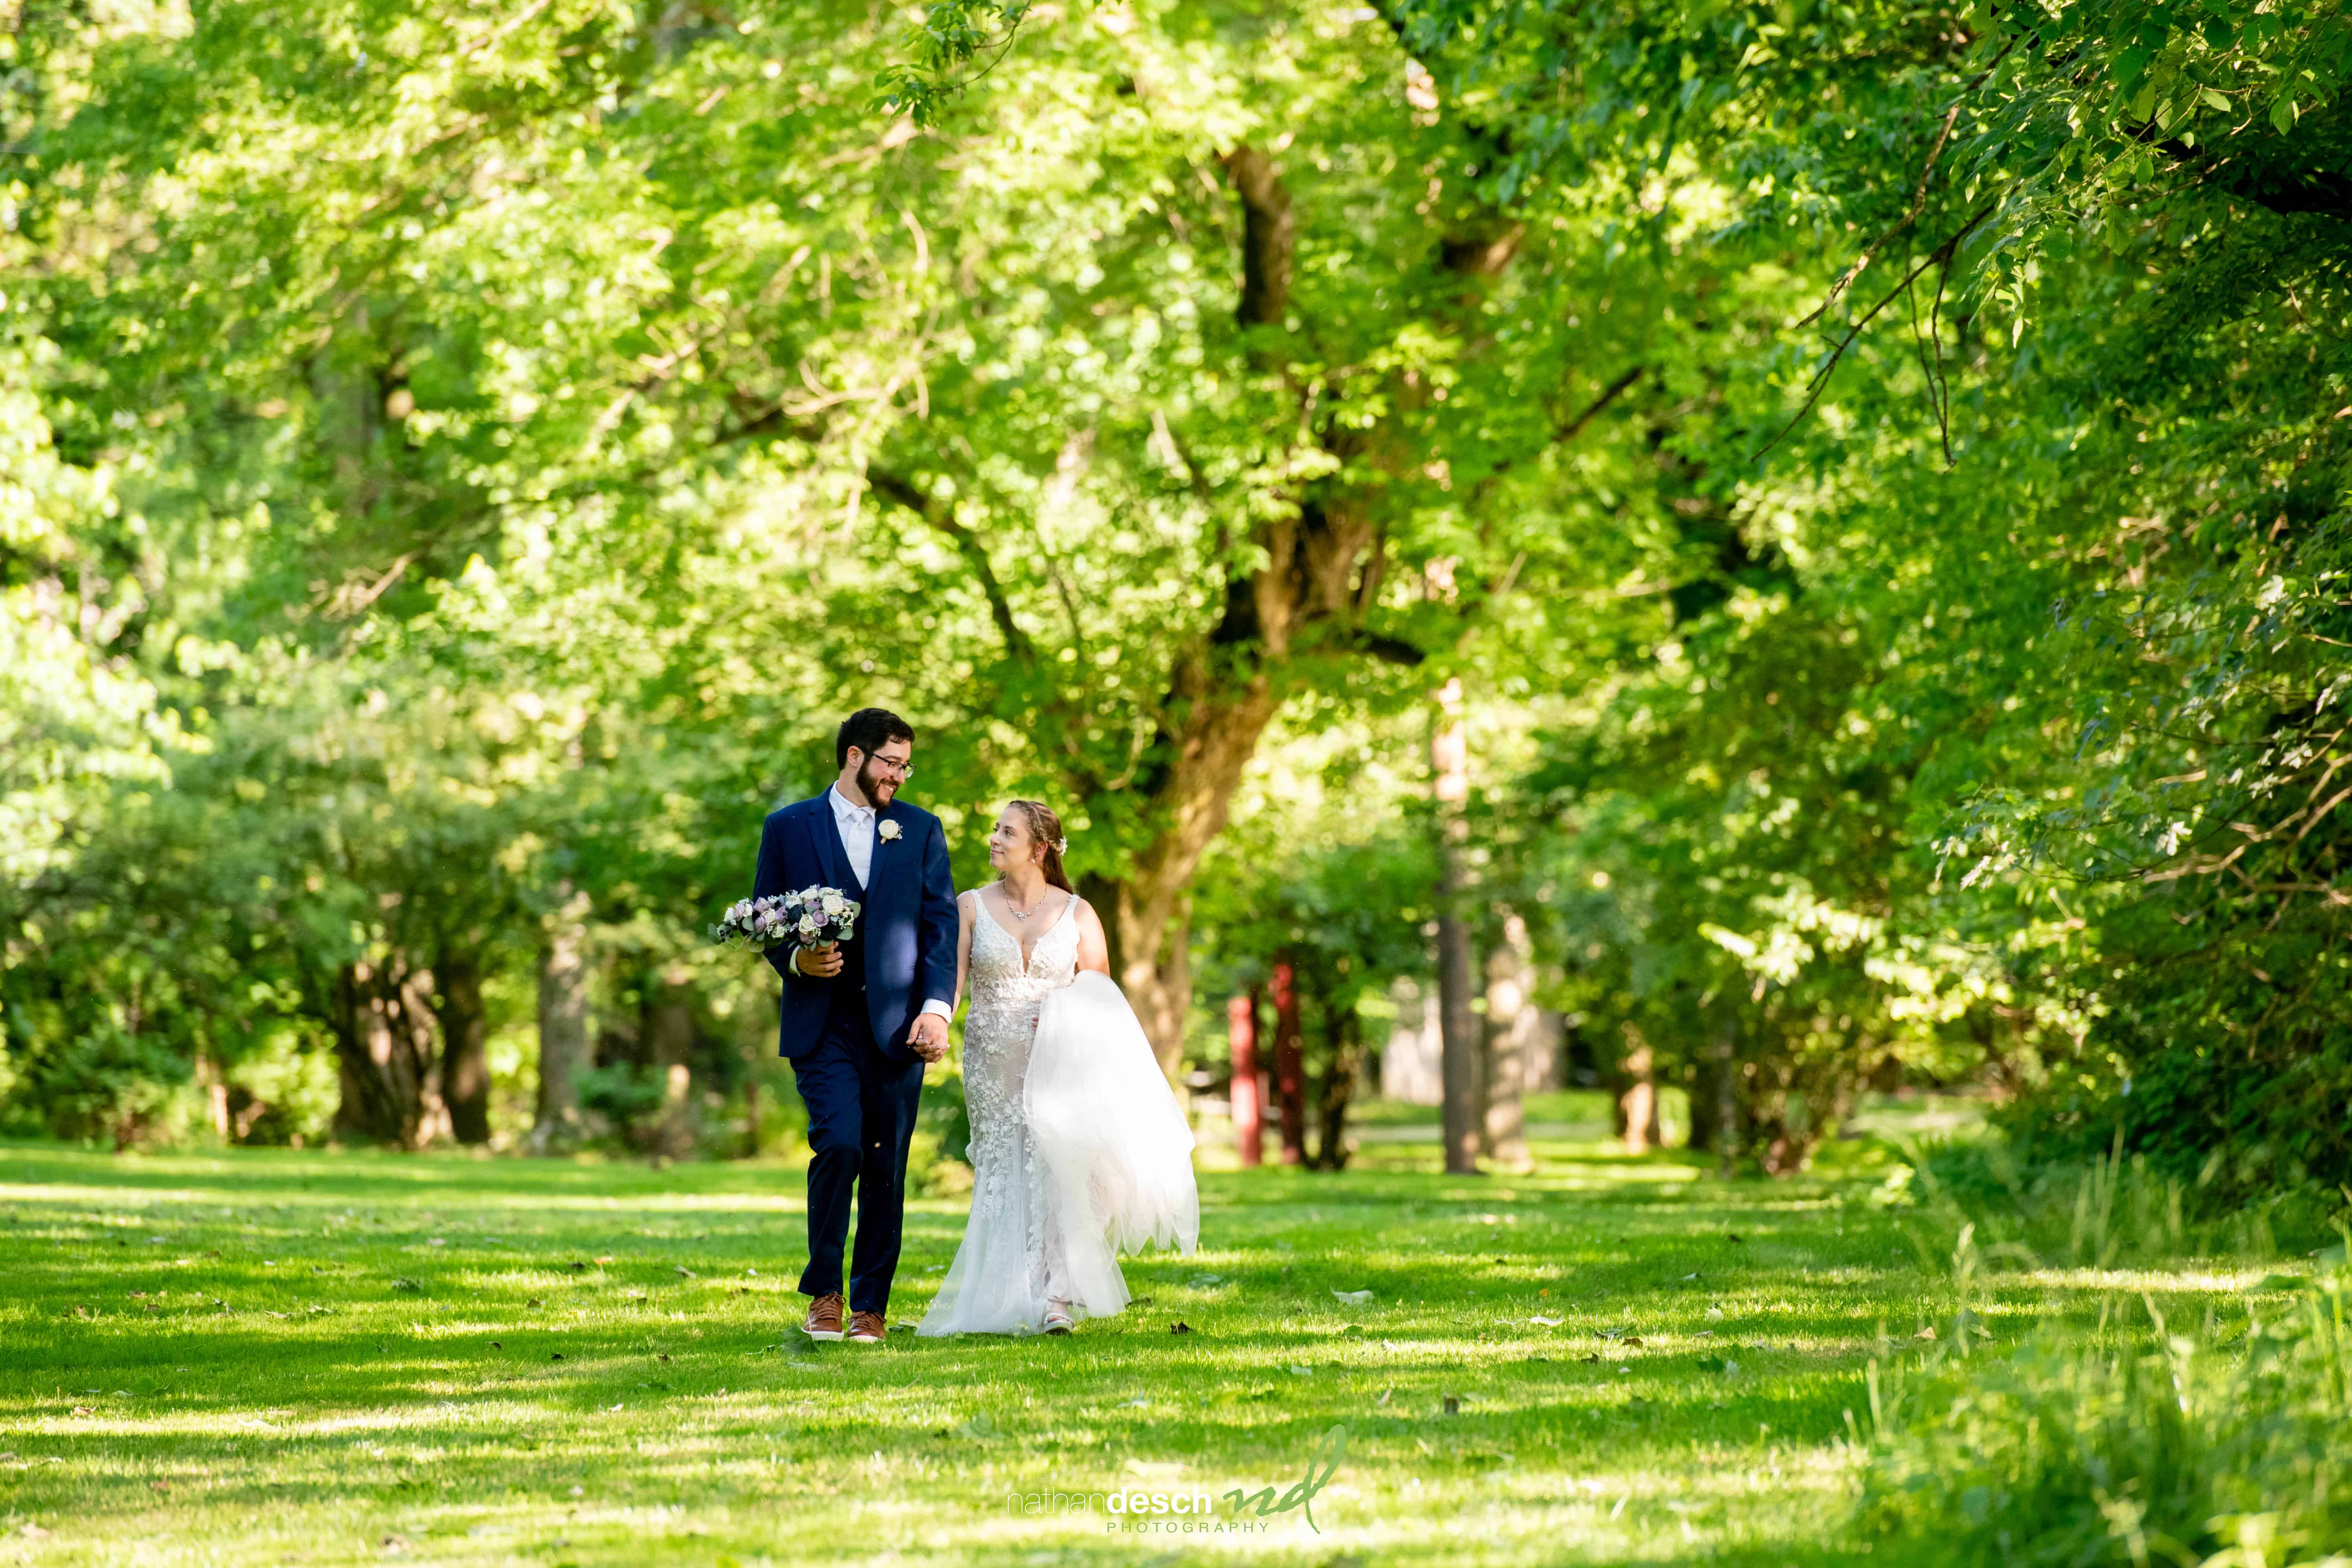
(861, 1019)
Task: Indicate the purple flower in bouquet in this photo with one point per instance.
(811, 917)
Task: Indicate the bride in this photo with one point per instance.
(1078, 1149)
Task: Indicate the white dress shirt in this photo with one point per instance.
(855, 825)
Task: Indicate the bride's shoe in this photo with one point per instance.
(1058, 1319)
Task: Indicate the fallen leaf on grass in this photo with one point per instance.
(496, 1346)
(1927, 1333)
(557, 1356)
(1592, 1357)
(1454, 1404)
(662, 1358)
(1353, 1295)
(83, 1410)
(1139, 1301)
(1548, 1323)
(1180, 1327)
(684, 1272)
(1302, 1372)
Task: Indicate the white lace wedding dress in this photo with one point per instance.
(1078, 1149)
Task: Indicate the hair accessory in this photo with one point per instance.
(1061, 846)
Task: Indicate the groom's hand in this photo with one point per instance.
(817, 962)
(929, 1037)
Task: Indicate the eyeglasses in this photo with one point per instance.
(903, 771)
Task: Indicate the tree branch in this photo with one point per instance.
(1268, 236)
(903, 492)
(1609, 395)
(1941, 254)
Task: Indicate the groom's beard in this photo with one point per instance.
(876, 789)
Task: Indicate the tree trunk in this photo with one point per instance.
(1637, 1106)
(1289, 1070)
(216, 1088)
(1145, 930)
(1726, 1092)
(563, 1029)
(1241, 1043)
(1512, 1021)
(465, 1045)
(1463, 1123)
(1338, 1089)
(385, 1056)
(671, 1027)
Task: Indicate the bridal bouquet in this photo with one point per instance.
(813, 917)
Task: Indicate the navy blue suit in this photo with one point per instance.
(846, 1036)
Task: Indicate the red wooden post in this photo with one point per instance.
(1289, 1070)
(1241, 1040)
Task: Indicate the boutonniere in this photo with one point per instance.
(887, 831)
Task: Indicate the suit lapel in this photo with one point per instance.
(886, 859)
(827, 840)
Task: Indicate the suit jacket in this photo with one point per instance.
(906, 930)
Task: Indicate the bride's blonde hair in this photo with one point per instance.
(1046, 829)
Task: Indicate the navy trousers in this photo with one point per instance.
(861, 1113)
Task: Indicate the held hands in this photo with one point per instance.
(817, 962)
(929, 1037)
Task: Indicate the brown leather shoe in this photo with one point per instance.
(867, 1327)
(824, 1317)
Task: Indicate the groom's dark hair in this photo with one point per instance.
(869, 729)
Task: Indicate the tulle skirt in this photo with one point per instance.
(1103, 1164)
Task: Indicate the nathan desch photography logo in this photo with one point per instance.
(1195, 1510)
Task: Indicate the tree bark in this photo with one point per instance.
(385, 1056)
(1338, 1090)
(465, 1045)
(1289, 1069)
(1241, 1043)
(1637, 1106)
(216, 1088)
(563, 1028)
(1511, 1026)
(1726, 1092)
(1463, 1123)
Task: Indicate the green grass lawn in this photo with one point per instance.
(316, 1357)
